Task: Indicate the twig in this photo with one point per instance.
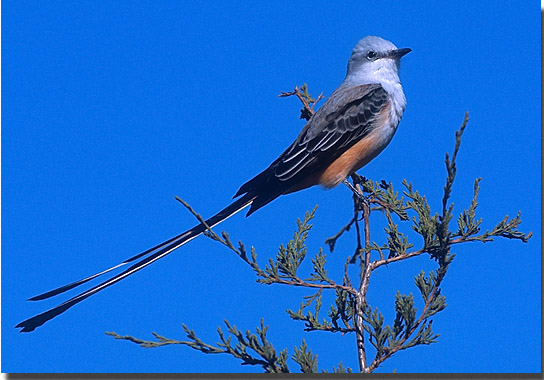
(299, 282)
(331, 242)
(358, 233)
(378, 263)
(361, 294)
(307, 101)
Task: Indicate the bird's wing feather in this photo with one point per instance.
(340, 123)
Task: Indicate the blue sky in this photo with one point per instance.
(110, 109)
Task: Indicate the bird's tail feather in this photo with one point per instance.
(67, 287)
(154, 253)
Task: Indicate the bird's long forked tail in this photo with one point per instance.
(151, 255)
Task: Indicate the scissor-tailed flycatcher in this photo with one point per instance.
(351, 128)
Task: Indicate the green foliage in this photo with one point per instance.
(350, 312)
(305, 359)
(466, 222)
(341, 369)
(288, 260)
(378, 333)
(397, 242)
(427, 286)
(423, 223)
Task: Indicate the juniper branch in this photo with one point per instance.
(350, 311)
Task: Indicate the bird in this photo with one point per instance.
(351, 128)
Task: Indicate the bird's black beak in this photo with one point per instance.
(398, 53)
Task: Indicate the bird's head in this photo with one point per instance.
(375, 60)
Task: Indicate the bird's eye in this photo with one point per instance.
(371, 55)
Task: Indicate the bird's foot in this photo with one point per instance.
(358, 194)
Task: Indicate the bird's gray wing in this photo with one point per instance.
(342, 121)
